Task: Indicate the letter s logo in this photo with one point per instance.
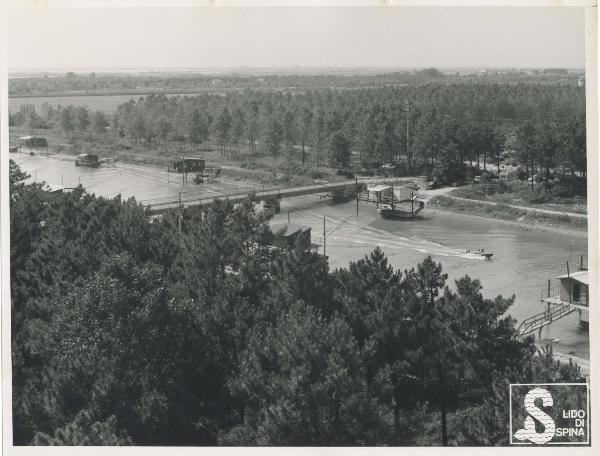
(529, 432)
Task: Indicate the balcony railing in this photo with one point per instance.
(553, 296)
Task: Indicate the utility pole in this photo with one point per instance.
(569, 280)
(183, 173)
(356, 180)
(324, 239)
(180, 212)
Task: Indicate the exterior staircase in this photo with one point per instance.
(539, 321)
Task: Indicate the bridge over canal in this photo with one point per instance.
(271, 197)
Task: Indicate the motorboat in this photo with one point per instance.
(481, 253)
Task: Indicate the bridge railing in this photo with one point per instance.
(188, 197)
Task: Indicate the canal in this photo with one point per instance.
(524, 257)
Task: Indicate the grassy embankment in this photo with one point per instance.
(556, 198)
(504, 211)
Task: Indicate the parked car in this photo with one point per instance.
(562, 170)
(346, 174)
(477, 179)
(489, 174)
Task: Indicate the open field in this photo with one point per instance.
(106, 103)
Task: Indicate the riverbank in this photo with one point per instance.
(287, 169)
(513, 193)
(520, 216)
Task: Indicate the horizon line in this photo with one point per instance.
(106, 69)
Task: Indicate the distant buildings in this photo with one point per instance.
(562, 71)
(187, 165)
(33, 142)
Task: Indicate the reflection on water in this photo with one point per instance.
(111, 179)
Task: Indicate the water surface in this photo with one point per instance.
(524, 257)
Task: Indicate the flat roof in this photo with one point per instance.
(56, 187)
(378, 188)
(579, 276)
(289, 228)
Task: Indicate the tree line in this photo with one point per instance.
(71, 82)
(103, 83)
(126, 332)
(433, 128)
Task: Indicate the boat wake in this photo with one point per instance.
(349, 234)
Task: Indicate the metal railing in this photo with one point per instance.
(368, 197)
(553, 295)
(539, 321)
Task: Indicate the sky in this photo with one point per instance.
(391, 37)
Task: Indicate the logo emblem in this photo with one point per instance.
(529, 432)
(549, 414)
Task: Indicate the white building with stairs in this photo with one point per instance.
(572, 291)
(567, 294)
